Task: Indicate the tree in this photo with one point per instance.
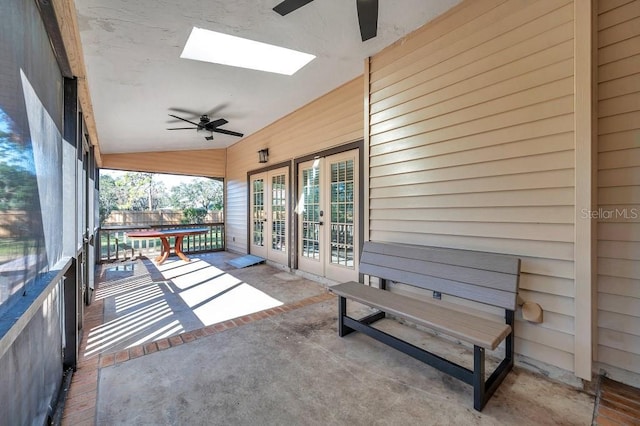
(18, 183)
(108, 196)
(141, 192)
(202, 193)
(17, 188)
(131, 191)
(138, 191)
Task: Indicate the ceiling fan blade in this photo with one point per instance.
(184, 111)
(367, 18)
(217, 123)
(288, 6)
(190, 114)
(182, 128)
(228, 132)
(199, 126)
(214, 111)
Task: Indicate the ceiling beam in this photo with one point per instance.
(48, 16)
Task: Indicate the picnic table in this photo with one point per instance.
(164, 235)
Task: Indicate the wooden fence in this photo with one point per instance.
(155, 217)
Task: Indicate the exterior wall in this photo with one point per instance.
(331, 120)
(619, 189)
(472, 146)
(205, 162)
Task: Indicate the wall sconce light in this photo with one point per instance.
(263, 155)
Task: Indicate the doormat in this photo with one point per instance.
(244, 261)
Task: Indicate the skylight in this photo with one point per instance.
(218, 48)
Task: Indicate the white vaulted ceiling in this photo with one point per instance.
(135, 74)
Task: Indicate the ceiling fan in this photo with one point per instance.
(367, 14)
(208, 125)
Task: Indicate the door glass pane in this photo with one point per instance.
(278, 212)
(258, 214)
(342, 208)
(311, 213)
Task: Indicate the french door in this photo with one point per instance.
(269, 215)
(327, 213)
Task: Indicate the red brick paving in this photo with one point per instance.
(150, 348)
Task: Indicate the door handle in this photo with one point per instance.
(320, 223)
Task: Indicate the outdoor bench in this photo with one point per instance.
(490, 279)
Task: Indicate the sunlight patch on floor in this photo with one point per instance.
(196, 277)
(122, 328)
(174, 327)
(175, 268)
(242, 299)
(123, 286)
(222, 297)
(137, 297)
(148, 310)
(208, 290)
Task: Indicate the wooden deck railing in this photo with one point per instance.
(114, 244)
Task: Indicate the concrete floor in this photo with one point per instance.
(291, 368)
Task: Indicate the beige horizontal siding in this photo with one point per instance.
(607, 5)
(205, 162)
(559, 322)
(472, 146)
(608, 355)
(485, 35)
(619, 185)
(332, 120)
(628, 324)
(619, 249)
(616, 13)
(413, 185)
(554, 215)
(545, 353)
(526, 248)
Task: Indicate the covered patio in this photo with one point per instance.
(278, 362)
(506, 127)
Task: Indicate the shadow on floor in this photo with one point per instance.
(145, 303)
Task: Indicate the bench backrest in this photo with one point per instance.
(483, 277)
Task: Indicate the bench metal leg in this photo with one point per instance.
(343, 330)
(478, 378)
(482, 390)
(420, 354)
(503, 368)
(509, 346)
(371, 318)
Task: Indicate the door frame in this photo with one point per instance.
(290, 203)
(359, 145)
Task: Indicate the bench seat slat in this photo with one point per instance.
(455, 318)
(468, 258)
(503, 299)
(481, 277)
(470, 328)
